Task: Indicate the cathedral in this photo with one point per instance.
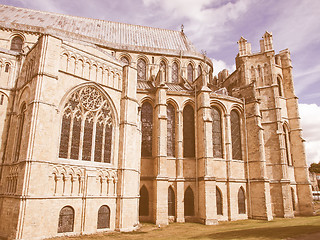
(105, 125)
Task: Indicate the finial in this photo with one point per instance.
(182, 27)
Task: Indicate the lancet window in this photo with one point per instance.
(163, 67)
(141, 70)
(146, 125)
(171, 202)
(235, 135)
(287, 145)
(87, 127)
(188, 132)
(171, 134)
(21, 118)
(216, 132)
(188, 202)
(144, 202)
(219, 202)
(190, 72)
(175, 73)
(199, 70)
(241, 201)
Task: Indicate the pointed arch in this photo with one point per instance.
(188, 202)
(147, 129)
(171, 133)
(199, 70)
(144, 202)
(188, 131)
(236, 135)
(103, 217)
(171, 202)
(175, 73)
(280, 88)
(219, 201)
(190, 72)
(241, 201)
(163, 67)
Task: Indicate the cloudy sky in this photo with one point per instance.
(215, 26)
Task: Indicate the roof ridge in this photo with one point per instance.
(95, 19)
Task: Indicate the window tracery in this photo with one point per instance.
(175, 73)
(87, 114)
(146, 125)
(141, 70)
(190, 72)
(216, 132)
(235, 135)
(170, 130)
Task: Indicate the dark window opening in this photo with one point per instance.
(144, 202)
(188, 132)
(188, 202)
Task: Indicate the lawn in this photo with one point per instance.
(296, 228)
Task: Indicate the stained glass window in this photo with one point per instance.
(190, 72)
(216, 132)
(235, 135)
(141, 70)
(175, 73)
(146, 125)
(86, 110)
(170, 130)
(188, 132)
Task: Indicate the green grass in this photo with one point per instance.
(245, 229)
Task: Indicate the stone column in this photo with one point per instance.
(160, 205)
(228, 147)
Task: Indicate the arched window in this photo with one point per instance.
(163, 67)
(103, 217)
(66, 220)
(16, 44)
(235, 135)
(86, 111)
(219, 202)
(287, 145)
(171, 135)
(241, 201)
(175, 73)
(190, 72)
(144, 202)
(216, 132)
(141, 70)
(188, 202)
(171, 202)
(21, 120)
(125, 60)
(7, 68)
(188, 132)
(146, 125)
(199, 70)
(279, 86)
(293, 199)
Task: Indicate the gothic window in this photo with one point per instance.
(175, 73)
(7, 68)
(190, 72)
(146, 125)
(16, 44)
(188, 202)
(103, 217)
(141, 70)
(199, 70)
(216, 132)
(171, 202)
(66, 220)
(171, 131)
(235, 135)
(86, 114)
(219, 202)
(241, 201)
(287, 145)
(1, 99)
(21, 120)
(279, 86)
(188, 132)
(164, 68)
(125, 60)
(293, 199)
(144, 202)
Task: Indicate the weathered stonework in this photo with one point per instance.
(96, 131)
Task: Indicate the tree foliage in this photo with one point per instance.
(315, 167)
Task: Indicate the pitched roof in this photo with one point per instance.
(110, 34)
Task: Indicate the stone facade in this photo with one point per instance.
(101, 132)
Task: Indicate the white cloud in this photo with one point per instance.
(310, 123)
(219, 65)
